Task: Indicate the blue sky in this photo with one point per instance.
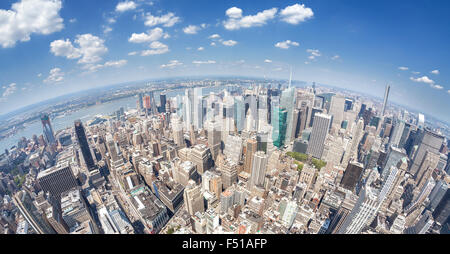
(52, 47)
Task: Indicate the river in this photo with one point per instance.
(85, 114)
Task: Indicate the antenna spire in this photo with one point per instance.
(290, 78)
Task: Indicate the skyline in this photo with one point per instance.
(325, 42)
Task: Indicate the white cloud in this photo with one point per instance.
(107, 29)
(126, 6)
(267, 61)
(132, 53)
(314, 53)
(72, 20)
(172, 64)
(214, 36)
(213, 44)
(237, 21)
(90, 48)
(28, 17)
(152, 35)
(9, 90)
(286, 44)
(191, 29)
(157, 48)
(39, 75)
(448, 91)
(229, 43)
(435, 72)
(65, 49)
(295, 14)
(415, 72)
(56, 76)
(111, 20)
(201, 49)
(402, 68)
(204, 62)
(438, 87)
(336, 57)
(167, 20)
(423, 79)
(116, 64)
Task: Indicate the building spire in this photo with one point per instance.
(290, 78)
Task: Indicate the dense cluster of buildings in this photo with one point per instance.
(258, 159)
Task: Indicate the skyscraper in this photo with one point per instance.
(318, 135)
(163, 102)
(279, 118)
(48, 130)
(193, 198)
(337, 110)
(252, 146)
(57, 180)
(259, 167)
(429, 141)
(386, 97)
(84, 145)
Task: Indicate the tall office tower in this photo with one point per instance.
(84, 145)
(163, 102)
(214, 137)
(357, 135)
(397, 133)
(141, 101)
(348, 105)
(421, 121)
(197, 108)
(337, 110)
(405, 135)
(428, 165)
(177, 131)
(259, 167)
(193, 198)
(74, 209)
(289, 212)
(287, 101)
(302, 118)
(31, 213)
(252, 112)
(420, 198)
(428, 141)
(57, 180)
(386, 97)
(147, 104)
(442, 211)
(228, 118)
(279, 124)
(48, 130)
(423, 225)
(233, 148)
(369, 201)
(394, 157)
(437, 194)
(153, 102)
(263, 111)
(201, 156)
(252, 147)
(319, 133)
(306, 101)
(344, 210)
(239, 113)
(55, 219)
(229, 173)
(113, 148)
(363, 109)
(352, 175)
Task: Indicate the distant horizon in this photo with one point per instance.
(198, 78)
